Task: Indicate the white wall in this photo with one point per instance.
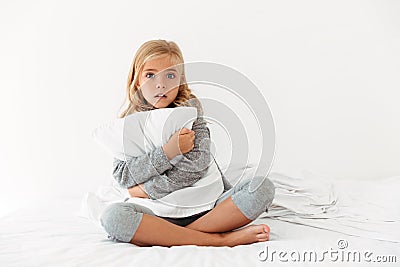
(329, 69)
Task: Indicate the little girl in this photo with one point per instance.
(157, 80)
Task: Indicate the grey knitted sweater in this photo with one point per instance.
(161, 176)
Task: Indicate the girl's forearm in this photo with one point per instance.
(137, 170)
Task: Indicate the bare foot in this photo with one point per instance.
(247, 235)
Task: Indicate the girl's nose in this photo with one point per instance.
(160, 83)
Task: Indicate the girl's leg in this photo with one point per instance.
(123, 222)
(237, 207)
(157, 231)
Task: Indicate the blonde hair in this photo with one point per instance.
(148, 51)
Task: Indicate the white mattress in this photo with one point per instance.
(52, 234)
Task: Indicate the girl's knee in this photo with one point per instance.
(269, 189)
(264, 190)
(120, 221)
(255, 198)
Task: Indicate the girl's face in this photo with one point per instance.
(159, 81)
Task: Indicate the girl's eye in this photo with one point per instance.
(149, 75)
(170, 75)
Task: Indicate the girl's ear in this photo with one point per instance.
(137, 83)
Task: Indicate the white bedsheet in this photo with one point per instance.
(366, 208)
(52, 234)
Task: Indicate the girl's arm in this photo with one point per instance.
(137, 170)
(190, 169)
(194, 164)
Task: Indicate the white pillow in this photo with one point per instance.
(93, 204)
(139, 133)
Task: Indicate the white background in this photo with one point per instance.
(329, 70)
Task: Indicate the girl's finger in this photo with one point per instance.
(185, 131)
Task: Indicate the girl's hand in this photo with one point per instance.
(181, 142)
(137, 191)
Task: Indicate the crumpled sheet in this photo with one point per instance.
(365, 208)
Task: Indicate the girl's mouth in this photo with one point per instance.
(160, 96)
